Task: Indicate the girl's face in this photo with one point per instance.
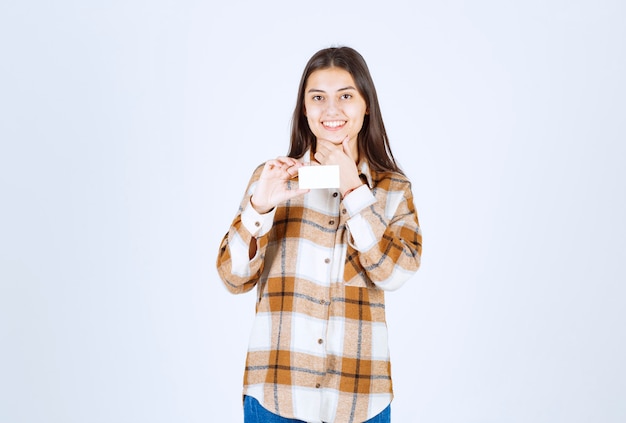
(333, 106)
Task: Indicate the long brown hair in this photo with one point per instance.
(373, 143)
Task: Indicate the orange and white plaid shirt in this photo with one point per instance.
(318, 349)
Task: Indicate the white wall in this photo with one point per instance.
(128, 132)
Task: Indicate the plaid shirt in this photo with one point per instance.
(318, 349)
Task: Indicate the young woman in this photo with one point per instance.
(321, 259)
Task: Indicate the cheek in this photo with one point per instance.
(309, 117)
(312, 123)
(357, 109)
(358, 126)
(358, 114)
(310, 110)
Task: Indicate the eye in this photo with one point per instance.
(317, 98)
(346, 96)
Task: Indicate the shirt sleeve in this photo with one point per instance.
(384, 230)
(237, 270)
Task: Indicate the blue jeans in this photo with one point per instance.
(253, 412)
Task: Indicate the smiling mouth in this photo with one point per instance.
(334, 124)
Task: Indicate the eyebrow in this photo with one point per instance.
(315, 90)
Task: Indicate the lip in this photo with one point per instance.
(335, 125)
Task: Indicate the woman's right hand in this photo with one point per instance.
(272, 188)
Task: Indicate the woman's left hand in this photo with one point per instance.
(329, 153)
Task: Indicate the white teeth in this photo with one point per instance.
(334, 124)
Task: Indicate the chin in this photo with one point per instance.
(336, 138)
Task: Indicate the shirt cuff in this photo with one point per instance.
(256, 223)
(358, 199)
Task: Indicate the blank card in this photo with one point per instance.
(312, 177)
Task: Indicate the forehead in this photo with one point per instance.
(329, 79)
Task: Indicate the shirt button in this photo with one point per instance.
(257, 224)
(343, 211)
(335, 194)
(317, 385)
(322, 302)
(332, 222)
(327, 260)
(320, 341)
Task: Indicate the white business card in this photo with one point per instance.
(313, 177)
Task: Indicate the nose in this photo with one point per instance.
(331, 107)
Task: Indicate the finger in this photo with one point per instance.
(345, 144)
(293, 170)
(273, 163)
(287, 160)
(329, 145)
